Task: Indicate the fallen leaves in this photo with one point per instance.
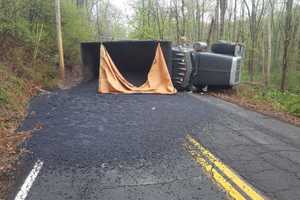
(9, 147)
(263, 107)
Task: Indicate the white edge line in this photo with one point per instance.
(22, 194)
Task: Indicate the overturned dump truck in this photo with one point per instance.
(156, 67)
(129, 66)
(218, 68)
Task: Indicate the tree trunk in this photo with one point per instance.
(202, 19)
(251, 61)
(60, 41)
(211, 27)
(198, 21)
(270, 32)
(177, 21)
(143, 15)
(287, 38)
(239, 37)
(80, 3)
(227, 35)
(263, 58)
(298, 59)
(158, 20)
(234, 32)
(98, 21)
(242, 23)
(183, 18)
(216, 21)
(148, 13)
(223, 8)
(253, 40)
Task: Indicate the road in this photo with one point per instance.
(96, 146)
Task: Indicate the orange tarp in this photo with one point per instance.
(112, 81)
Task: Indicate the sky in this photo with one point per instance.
(123, 5)
(119, 3)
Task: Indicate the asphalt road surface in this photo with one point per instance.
(116, 147)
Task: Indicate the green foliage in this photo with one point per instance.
(12, 91)
(145, 22)
(33, 23)
(28, 47)
(76, 29)
(18, 17)
(286, 101)
(3, 96)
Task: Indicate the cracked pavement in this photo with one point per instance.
(264, 151)
(132, 146)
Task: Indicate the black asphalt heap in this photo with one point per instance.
(131, 146)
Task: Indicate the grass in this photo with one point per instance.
(280, 101)
(285, 101)
(288, 101)
(14, 95)
(16, 89)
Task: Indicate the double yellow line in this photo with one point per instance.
(225, 177)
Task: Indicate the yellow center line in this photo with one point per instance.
(209, 169)
(230, 174)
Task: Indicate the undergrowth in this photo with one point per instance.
(14, 95)
(20, 80)
(281, 101)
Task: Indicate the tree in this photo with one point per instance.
(270, 35)
(183, 18)
(59, 41)
(176, 13)
(223, 8)
(216, 20)
(255, 14)
(198, 20)
(234, 32)
(287, 40)
(202, 19)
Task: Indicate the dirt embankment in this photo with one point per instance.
(14, 96)
(20, 80)
(247, 100)
(24, 70)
